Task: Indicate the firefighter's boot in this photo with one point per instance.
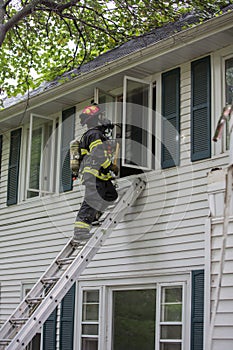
(81, 231)
(81, 234)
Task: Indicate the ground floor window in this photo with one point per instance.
(153, 316)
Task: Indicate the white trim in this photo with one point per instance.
(158, 315)
(207, 284)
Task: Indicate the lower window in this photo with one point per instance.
(142, 318)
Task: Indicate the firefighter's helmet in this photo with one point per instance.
(90, 113)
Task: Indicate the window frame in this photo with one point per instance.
(78, 335)
(148, 127)
(226, 136)
(106, 288)
(160, 286)
(40, 190)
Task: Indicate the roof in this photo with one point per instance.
(129, 47)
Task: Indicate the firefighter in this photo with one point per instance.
(96, 170)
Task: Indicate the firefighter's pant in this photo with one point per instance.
(98, 195)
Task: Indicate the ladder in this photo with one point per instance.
(50, 289)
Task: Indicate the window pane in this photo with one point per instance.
(134, 319)
(171, 332)
(91, 296)
(173, 295)
(170, 346)
(34, 179)
(90, 312)
(90, 329)
(172, 313)
(89, 344)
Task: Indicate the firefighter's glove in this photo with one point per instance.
(114, 168)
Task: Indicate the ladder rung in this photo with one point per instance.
(65, 261)
(49, 280)
(5, 341)
(34, 300)
(18, 320)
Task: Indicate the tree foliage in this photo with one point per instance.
(45, 38)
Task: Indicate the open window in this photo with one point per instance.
(228, 92)
(137, 124)
(41, 156)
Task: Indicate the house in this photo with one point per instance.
(153, 284)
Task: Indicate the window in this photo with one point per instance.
(90, 320)
(228, 92)
(170, 118)
(171, 318)
(137, 124)
(13, 169)
(134, 319)
(48, 154)
(41, 176)
(200, 109)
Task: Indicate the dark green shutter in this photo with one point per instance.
(49, 332)
(13, 169)
(67, 320)
(67, 135)
(170, 118)
(197, 311)
(200, 109)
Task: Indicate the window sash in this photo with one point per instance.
(160, 317)
(228, 77)
(44, 168)
(137, 123)
(90, 329)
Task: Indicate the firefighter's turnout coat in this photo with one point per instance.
(95, 172)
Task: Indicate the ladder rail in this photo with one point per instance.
(69, 276)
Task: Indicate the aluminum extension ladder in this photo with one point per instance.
(48, 292)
